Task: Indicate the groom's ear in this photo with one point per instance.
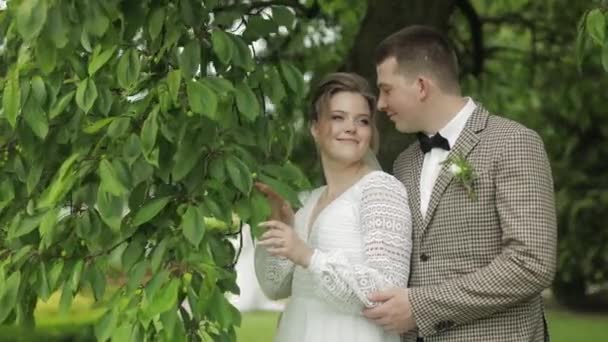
(423, 87)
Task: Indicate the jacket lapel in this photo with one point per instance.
(465, 143)
(414, 193)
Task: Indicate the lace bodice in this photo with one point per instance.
(362, 243)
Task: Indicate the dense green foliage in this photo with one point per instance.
(133, 131)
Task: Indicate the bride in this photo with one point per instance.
(352, 236)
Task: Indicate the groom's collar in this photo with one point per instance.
(478, 119)
(452, 130)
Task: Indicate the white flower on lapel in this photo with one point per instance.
(463, 171)
(455, 169)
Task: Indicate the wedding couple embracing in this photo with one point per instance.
(456, 246)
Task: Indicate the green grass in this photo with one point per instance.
(257, 327)
(564, 326)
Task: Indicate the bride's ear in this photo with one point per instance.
(314, 130)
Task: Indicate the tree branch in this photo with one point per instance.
(294, 4)
(475, 25)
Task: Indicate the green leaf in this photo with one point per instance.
(136, 275)
(293, 77)
(110, 180)
(99, 59)
(260, 211)
(39, 90)
(31, 16)
(149, 131)
(107, 324)
(149, 210)
(61, 105)
(157, 255)
(132, 149)
(33, 177)
(283, 16)
(98, 125)
(67, 295)
(247, 102)
(164, 300)
(46, 56)
(119, 127)
(42, 289)
(596, 25)
(155, 23)
(220, 86)
(239, 174)
(605, 57)
(217, 169)
(242, 56)
(7, 192)
(190, 59)
(97, 280)
(11, 97)
(110, 208)
(132, 254)
(55, 272)
(35, 118)
(174, 80)
(128, 69)
(57, 28)
(193, 225)
(202, 99)
(76, 274)
(48, 226)
(282, 189)
(96, 22)
(86, 94)
(273, 85)
(85, 41)
(222, 46)
(60, 185)
(23, 226)
(8, 297)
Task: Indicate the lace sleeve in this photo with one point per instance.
(275, 273)
(386, 233)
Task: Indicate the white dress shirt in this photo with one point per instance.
(433, 159)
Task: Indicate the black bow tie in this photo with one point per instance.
(426, 143)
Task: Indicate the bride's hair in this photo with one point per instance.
(338, 82)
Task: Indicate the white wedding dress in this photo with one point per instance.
(362, 242)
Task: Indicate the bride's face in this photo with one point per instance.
(343, 132)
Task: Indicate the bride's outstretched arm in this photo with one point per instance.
(386, 231)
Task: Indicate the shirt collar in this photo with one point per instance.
(452, 130)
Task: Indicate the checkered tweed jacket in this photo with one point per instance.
(479, 266)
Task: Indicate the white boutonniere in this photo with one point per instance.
(463, 171)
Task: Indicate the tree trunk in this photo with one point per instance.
(383, 18)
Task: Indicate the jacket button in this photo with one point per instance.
(424, 257)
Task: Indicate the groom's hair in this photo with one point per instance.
(338, 82)
(423, 50)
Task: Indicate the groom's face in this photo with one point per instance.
(399, 97)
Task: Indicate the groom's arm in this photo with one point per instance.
(526, 266)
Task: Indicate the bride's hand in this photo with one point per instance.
(282, 240)
(281, 209)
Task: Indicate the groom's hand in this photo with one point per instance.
(394, 313)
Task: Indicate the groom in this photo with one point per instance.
(483, 248)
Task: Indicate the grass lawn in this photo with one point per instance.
(565, 326)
